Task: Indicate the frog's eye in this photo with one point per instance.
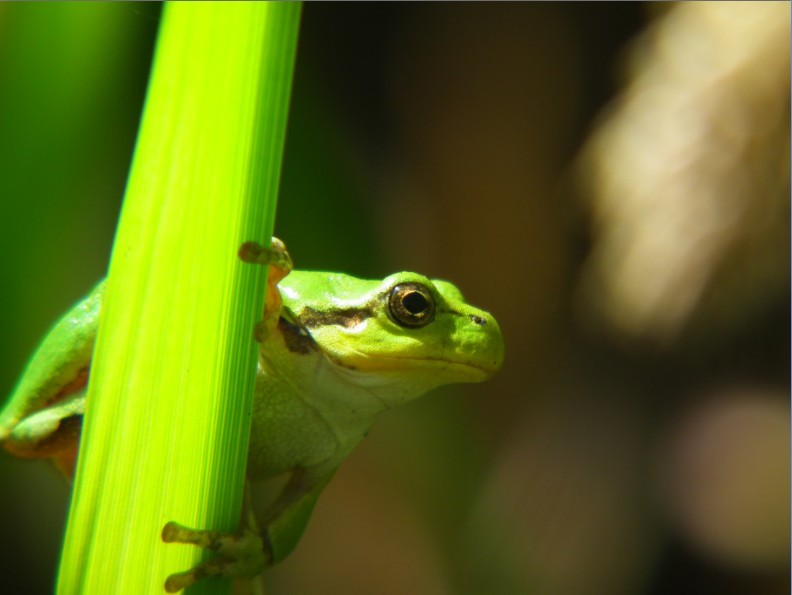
(411, 305)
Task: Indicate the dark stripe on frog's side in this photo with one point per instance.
(80, 381)
(346, 317)
(296, 338)
(351, 317)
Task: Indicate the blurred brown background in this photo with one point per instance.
(611, 180)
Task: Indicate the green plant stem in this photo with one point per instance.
(166, 429)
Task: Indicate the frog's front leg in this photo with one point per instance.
(260, 544)
(241, 555)
(277, 258)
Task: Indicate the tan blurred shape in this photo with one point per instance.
(687, 177)
(725, 477)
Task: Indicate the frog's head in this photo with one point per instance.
(403, 335)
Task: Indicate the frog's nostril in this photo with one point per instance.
(478, 320)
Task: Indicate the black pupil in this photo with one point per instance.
(414, 302)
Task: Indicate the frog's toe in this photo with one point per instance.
(181, 580)
(221, 566)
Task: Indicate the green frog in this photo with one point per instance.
(335, 352)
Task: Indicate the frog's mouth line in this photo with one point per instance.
(468, 371)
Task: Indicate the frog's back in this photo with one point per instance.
(60, 365)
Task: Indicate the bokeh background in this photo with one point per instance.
(611, 180)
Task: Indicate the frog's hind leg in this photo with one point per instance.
(53, 432)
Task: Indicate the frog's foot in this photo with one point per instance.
(241, 555)
(276, 257)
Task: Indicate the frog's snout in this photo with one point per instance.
(489, 348)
